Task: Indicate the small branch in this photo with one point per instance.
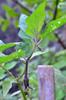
(60, 41)
(26, 79)
(56, 10)
(18, 2)
(21, 75)
(19, 85)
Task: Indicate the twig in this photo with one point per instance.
(19, 85)
(60, 41)
(26, 79)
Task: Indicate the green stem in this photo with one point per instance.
(19, 85)
(23, 94)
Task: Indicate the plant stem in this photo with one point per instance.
(19, 85)
(26, 79)
(23, 94)
(56, 10)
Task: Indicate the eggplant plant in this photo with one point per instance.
(32, 51)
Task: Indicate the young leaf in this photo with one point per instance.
(36, 20)
(7, 84)
(5, 25)
(10, 65)
(12, 56)
(23, 26)
(7, 66)
(53, 25)
(38, 53)
(6, 46)
(10, 11)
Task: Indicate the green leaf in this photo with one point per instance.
(60, 79)
(7, 66)
(36, 20)
(23, 35)
(59, 93)
(12, 56)
(22, 25)
(60, 64)
(33, 79)
(10, 65)
(44, 43)
(5, 25)
(6, 46)
(61, 53)
(26, 46)
(7, 84)
(60, 59)
(32, 1)
(53, 25)
(38, 53)
(2, 75)
(10, 11)
(7, 97)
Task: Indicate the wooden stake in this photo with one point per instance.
(46, 82)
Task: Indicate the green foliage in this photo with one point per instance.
(36, 20)
(38, 53)
(10, 11)
(12, 56)
(6, 46)
(60, 59)
(53, 25)
(7, 98)
(8, 66)
(32, 51)
(5, 25)
(26, 45)
(59, 81)
(6, 85)
(2, 73)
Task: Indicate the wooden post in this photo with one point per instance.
(46, 82)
